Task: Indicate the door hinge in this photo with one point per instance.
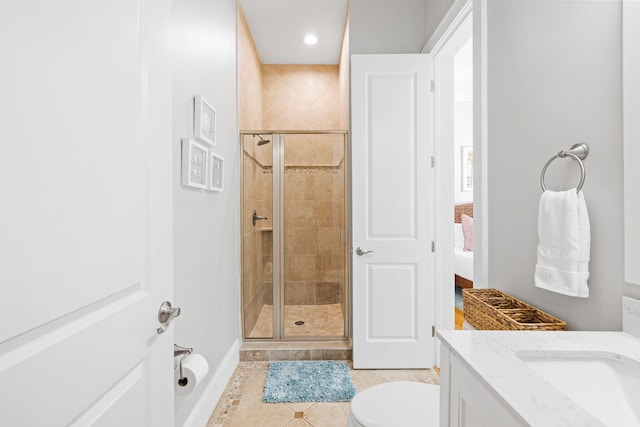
(433, 162)
(433, 86)
(433, 246)
(433, 331)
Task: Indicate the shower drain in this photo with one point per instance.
(299, 323)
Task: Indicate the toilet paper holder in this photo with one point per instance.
(184, 351)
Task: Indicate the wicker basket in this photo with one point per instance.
(491, 309)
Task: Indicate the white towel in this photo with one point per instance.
(565, 243)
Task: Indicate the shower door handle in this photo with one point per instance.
(361, 252)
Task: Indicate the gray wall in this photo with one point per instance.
(400, 26)
(434, 11)
(554, 72)
(206, 227)
(554, 79)
(383, 26)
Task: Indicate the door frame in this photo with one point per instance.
(631, 136)
(455, 23)
(277, 205)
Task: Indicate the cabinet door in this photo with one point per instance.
(466, 401)
(467, 406)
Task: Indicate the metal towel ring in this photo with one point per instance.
(578, 153)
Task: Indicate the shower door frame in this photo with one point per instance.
(278, 237)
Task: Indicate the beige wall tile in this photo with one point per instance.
(267, 293)
(300, 268)
(324, 186)
(328, 239)
(343, 79)
(325, 213)
(300, 241)
(299, 186)
(327, 293)
(332, 276)
(248, 243)
(251, 312)
(301, 97)
(299, 293)
(299, 213)
(250, 88)
(266, 240)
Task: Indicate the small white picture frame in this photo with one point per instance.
(195, 164)
(216, 177)
(204, 121)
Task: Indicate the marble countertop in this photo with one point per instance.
(492, 356)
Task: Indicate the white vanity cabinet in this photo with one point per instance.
(465, 401)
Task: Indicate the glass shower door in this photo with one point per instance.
(314, 236)
(294, 236)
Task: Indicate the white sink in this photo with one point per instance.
(605, 384)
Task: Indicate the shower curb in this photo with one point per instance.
(276, 351)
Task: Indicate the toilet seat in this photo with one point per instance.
(398, 403)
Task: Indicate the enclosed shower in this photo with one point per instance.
(295, 259)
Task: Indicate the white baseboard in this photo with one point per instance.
(214, 389)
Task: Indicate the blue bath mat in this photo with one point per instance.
(308, 381)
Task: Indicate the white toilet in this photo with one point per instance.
(394, 404)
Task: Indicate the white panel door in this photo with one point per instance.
(85, 223)
(392, 212)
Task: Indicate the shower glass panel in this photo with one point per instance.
(314, 235)
(257, 236)
(295, 263)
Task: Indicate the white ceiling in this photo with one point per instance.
(279, 26)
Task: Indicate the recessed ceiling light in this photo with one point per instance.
(310, 39)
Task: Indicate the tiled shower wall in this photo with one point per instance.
(256, 180)
(249, 79)
(257, 240)
(315, 234)
(301, 97)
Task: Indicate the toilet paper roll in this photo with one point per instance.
(194, 369)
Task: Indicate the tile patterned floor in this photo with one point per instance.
(241, 403)
(323, 320)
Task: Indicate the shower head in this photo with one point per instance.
(261, 141)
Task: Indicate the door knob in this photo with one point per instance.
(166, 314)
(360, 251)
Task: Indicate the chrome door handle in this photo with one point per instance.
(361, 252)
(166, 314)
